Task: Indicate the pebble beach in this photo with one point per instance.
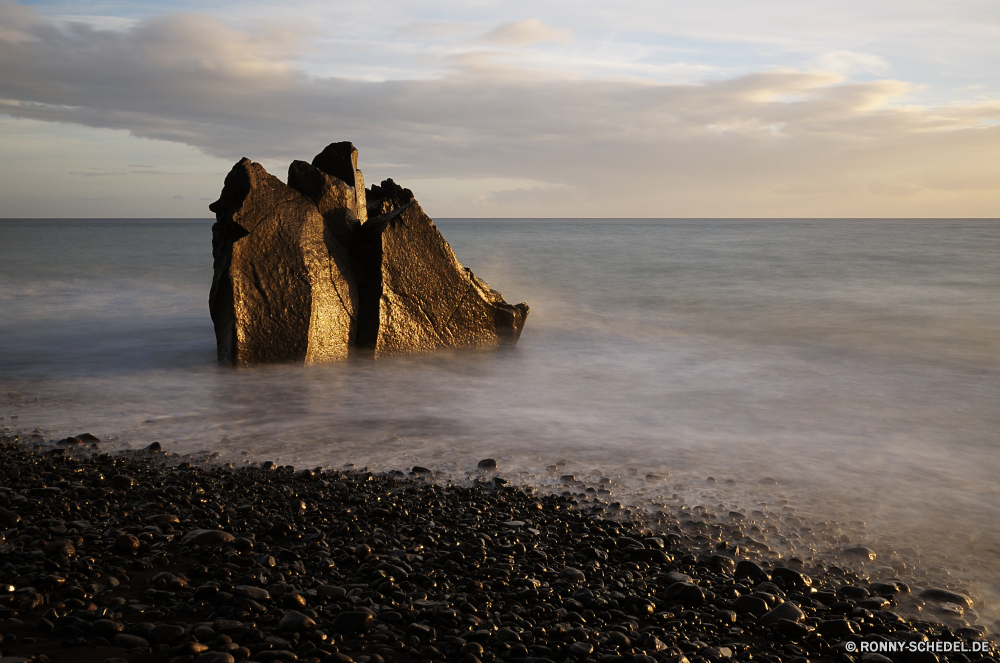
(150, 556)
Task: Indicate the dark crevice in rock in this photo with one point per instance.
(366, 254)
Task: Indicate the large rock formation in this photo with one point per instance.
(320, 269)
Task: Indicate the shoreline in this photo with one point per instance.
(146, 556)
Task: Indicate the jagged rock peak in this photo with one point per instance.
(302, 275)
(387, 197)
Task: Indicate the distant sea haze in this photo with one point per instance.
(842, 375)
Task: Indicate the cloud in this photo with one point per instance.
(433, 30)
(850, 62)
(524, 33)
(735, 146)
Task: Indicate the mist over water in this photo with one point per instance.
(838, 372)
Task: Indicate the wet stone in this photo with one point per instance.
(722, 563)
(750, 605)
(487, 464)
(889, 588)
(190, 648)
(507, 635)
(353, 622)
(258, 594)
(947, 596)
(748, 569)
(331, 592)
(59, 548)
(9, 518)
(207, 537)
(280, 655)
(786, 610)
(836, 628)
(167, 632)
(686, 593)
(873, 657)
(791, 629)
(127, 544)
(293, 620)
(215, 657)
(130, 641)
(791, 578)
(861, 552)
(106, 627)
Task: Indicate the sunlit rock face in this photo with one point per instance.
(320, 269)
(283, 285)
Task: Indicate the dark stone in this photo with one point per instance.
(207, 537)
(9, 518)
(507, 635)
(254, 593)
(127, 544)
(353, 622)
(747, 569)
(338, 657)
(889, 588)
(853, 592)
(168, 633)
(130, 641)
(473, 648)
(59, 548)
(861, 552)
(123, 481)
(722, 563)
(215, 657)
(106, 627)
(791, 629)
(293, 620)
(946, 595)
(190, 648)
(331, 592)
(282, 655)
(686, 593)
(671, 577)
(836, 628)
(874, 603)
(786, 610)
(791, 578)
(907, 656)
(487, 464)
(649, 556)
(750, 605)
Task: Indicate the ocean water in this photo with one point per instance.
(840, 378)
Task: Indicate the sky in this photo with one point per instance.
(667, 108)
